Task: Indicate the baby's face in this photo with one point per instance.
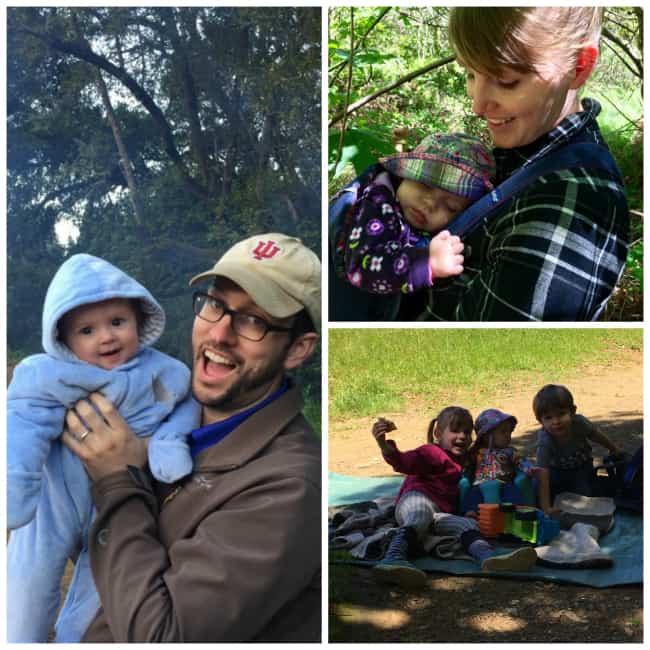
(428, 208)
(502, 434)
(104, 334)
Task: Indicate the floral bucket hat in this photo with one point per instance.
(456, 163)
(489, 419)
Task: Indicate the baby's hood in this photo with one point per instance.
(84, 279)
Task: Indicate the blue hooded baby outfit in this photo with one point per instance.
(49, 504)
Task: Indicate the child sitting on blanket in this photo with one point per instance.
(393, 239)
(429, 495)
(491, 457)
(564, 453)
(98, 328)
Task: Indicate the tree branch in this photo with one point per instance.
(85, 53)
(339, 151)
(386, 89)
(336, 69)
(125, 160)
(626, 49)
(190, 101)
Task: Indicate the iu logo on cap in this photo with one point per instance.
(265, 250)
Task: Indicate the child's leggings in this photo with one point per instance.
(417, 510)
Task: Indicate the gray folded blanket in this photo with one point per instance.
(365, 529)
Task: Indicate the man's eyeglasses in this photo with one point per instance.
(245, 325)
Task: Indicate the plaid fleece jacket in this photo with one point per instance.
(553, 253)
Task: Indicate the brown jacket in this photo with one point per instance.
(233, 553)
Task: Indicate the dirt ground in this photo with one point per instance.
(460, 609)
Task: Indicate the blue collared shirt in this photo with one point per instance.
(211, 434)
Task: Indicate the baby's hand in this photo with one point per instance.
(445, 256)
(381, 427)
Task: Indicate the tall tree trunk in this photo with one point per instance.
(125, 160)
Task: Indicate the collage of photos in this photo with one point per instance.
(324, 324)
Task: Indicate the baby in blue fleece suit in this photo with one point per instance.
(98, 326)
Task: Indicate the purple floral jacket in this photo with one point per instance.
(377, 250)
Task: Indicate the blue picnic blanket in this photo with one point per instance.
(624, 543)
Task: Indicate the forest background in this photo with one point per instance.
(157, 137)
(393, 79)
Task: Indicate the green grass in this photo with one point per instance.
(373, 370)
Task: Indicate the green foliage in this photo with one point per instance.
(378, 370)
(622, 107)
(635, 263)
(361, 148)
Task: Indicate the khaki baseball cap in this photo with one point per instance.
(278, 272)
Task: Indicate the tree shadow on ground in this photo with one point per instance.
(453, 609)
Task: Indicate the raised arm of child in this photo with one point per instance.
(379, 430)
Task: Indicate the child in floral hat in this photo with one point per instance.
(494, 457)
(393, 239)
(491, 456)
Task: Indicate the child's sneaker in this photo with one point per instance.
(395, 567)
(521, 559)
(399, 572)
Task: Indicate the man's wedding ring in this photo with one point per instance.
(84, 434)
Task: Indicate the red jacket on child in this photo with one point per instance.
(430, 470)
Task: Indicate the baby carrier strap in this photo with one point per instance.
(572, 155)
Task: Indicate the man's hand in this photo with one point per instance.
(107, 444)
(445, 255)
(379, 430)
